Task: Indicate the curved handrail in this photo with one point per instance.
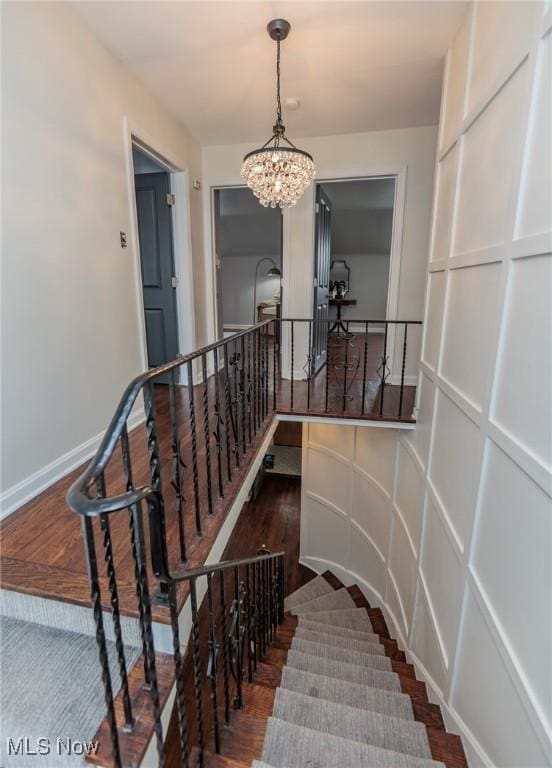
(78, 497)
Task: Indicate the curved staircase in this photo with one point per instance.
(335, 691)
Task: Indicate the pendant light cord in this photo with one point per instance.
(278, 100)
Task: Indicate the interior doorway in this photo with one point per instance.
(360, 241)
(248, 258)
(154, 200)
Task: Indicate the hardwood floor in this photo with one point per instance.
(353, 379)
(41, 544)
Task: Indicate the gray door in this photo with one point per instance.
(322, 258)
(157, 259)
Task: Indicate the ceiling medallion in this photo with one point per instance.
(278, 172)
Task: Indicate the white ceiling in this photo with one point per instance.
(355, 66)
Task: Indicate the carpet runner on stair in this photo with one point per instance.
(339, 702)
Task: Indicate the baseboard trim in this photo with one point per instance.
(475, 754)
(409, 381)
(19, 494)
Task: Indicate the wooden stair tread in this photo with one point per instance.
(212, 760)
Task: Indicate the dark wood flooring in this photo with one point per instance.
(352, 378)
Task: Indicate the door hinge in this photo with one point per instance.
(317, 208)
(171, 200)
(316, 282)
(174, 281)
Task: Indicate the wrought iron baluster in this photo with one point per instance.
(261, 378)
(197, 671)
(137, 547)
(235, 639)
(248, 624)
(225, 672)
(328, 364)
(218, 423)
(282, 589)
(207, 433)
(194, 447)
(364, 366)
(403, 368)
(292, 361)
(178, 464)
(267, 370)
(235, 358)
(255, 382)
(114, 600)
(345, 365)
(243, 396)
(213, 657)
(95, 595)
(275, 351)
(248, 391)
(309, 365)
(383, 369)
(254, 615)
(178, 673)
(268, 639)
(227, 411)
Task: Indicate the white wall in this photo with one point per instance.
(238, 278)
(369, 281)
(70, 316)
(449, 527)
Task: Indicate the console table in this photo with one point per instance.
(338, 326)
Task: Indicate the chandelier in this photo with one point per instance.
(278, 173)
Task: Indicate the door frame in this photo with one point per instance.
(179, 177)
(211, 275)
(395, 256)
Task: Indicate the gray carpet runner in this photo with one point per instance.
(336, 601)
(310, 591)
(339, 702)
(353, 618)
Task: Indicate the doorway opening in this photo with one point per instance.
(248, 259)
(154, 200)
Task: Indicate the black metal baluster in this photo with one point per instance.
(292, 362)
(269, 598)
(212, 670)
(197, 671)
(238, 645)
(225, 671)
(194, 447)
(327, 383)
(345, 366)
(115, 612)
(227, 412)
(255, 382)
(137, 547)
(364, 366)
(282, 590)
(243, 396)
(176, 478)
(180, 699)
(267, 370)
(261, 378)
(95, 595)
(235, 358)
(248, 624)
(249, 432)
(207, 432)
(403, 368)
(383, 369)
(255, 617)
(309, 365)
(275, 351)
(155, 469)
(219, 421)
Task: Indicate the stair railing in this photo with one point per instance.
(234, 381)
